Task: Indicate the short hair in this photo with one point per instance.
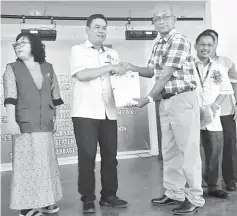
(37, 47)
(203, 34)
(212, 32)
(93, 17)
(162, 7)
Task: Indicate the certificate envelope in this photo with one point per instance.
(125, 88)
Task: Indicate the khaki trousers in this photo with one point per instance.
(180, 126)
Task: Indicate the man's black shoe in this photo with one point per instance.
(88, 207)
(114, 202)
(219, 194)
(185, 208)
(163, 201)
(231, 187)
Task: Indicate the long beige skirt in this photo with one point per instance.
(35, 176)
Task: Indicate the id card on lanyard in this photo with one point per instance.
(202, 81)
(206, 115)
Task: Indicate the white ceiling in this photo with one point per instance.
(108, 8)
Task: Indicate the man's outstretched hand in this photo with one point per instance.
(138, 102)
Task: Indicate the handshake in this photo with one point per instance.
(121, 68)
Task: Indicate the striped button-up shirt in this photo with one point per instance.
(174, 50)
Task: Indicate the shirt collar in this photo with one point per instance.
(168, 36)
(197, 61)
(88, 44)
(215, 57)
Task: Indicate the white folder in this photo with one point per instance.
(125, 88)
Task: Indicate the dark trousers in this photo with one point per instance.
(88, 132)
(229, 162)
(212, 144)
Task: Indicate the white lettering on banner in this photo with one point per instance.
(64, 133)
(65, 87)
(68, 150)
(121, 112)
(59, 151)
(64, 124)
(67, 97)
(65, 107)
(6, 137)
(122, 128)
(64, 79)
(65, 115)
(65, 142)
(3, 119)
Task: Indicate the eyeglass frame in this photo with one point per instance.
(164, 17)
(18, 45)
(204, 45)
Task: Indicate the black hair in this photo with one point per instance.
(37, 47)
(212, 32)
(93, 17)
(203, 34)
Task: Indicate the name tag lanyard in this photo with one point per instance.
(202, 81)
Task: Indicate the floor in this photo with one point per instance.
(140, 180)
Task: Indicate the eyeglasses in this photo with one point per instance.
(158, 19)
(20, 44)
(204, 45)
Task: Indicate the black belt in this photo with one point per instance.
(169, 95)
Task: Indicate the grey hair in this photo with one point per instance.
(159, 7)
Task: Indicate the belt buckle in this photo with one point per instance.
(167, 95)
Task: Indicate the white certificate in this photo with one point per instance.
(125, 88)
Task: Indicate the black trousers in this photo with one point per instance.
(88, 132)
(229, 161)
(212, 144)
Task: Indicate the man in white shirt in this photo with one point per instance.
(94, 114)
(228, 120)
(213, 85)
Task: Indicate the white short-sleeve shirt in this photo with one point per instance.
(227, 107)
(210, 90)
(92, 99)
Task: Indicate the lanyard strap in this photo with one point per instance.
(208, 70)
(202, 82)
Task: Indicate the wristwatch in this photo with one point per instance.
(150, 99)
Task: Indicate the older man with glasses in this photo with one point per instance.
(172, 64)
